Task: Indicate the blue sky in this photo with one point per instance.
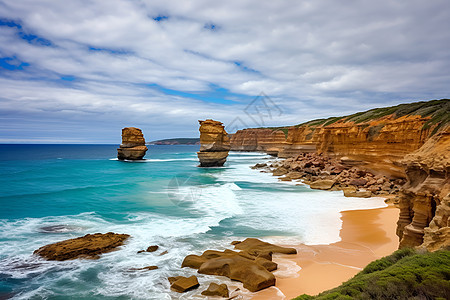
(79, 71)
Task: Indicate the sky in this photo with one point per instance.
(79, 71)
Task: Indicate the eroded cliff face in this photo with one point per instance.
(408, 141)
(258, 139)
(425, 198)
(214, 142)
(378, 145)
(133, 144)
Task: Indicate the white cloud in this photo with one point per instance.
(316, 58)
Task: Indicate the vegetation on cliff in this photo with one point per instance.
(405, 274)
(438, 112)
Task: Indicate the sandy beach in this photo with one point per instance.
(366, 235)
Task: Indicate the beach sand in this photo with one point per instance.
(366, 235)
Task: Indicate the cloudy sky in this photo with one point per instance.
(78, 71)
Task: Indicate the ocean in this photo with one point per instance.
(50, 193)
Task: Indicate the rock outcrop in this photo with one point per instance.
(133, 144)
(325, 173)
(89, 246)
(251, 266)
(214, 142)
(424, 204)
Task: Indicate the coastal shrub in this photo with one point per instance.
(406, 274)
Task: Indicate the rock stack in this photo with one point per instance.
(133, 144)
(214, 142)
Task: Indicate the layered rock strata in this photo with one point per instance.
(252, 266)
(425, 198)
(89, 246)
(214, 142)
(133, 144)
(378, 145)
(404, 142)
(377, 139)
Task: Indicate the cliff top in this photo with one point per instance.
(437, 112)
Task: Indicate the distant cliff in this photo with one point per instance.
(410, 141)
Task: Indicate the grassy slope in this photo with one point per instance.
(405, 274)
(437, 110)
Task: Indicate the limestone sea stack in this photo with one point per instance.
(133, 144)
(214, 142)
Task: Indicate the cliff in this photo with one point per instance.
(407, 141)
(377, 139)
(425, 198)
(133, 144)
(214, 142)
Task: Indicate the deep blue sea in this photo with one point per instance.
(50, 193)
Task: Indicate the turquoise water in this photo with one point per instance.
(55, 192)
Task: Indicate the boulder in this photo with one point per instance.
(324, 184)
(133, 144)
(357, 193)
(251, 266)
(280, 171)
(88, 246)
(358, 181)
(254, 276)
(152, 248)
(214, 289)
(182, 284)
(214, 142)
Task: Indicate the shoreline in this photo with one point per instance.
(366, 235)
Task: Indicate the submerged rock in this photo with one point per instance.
(148, 268)
(214, 142)
(133, 144)
(214, 289)
(182, 284)
(89, 246)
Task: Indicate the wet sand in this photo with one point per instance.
(366, 235)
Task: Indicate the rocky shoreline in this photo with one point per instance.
(325, 173)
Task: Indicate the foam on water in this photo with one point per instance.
(204, 208)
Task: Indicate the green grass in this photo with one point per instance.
(438, 110)
(405, 274)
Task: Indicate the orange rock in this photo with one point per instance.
(214, 142)
(133, 144)
(424, 203)
(88, 246)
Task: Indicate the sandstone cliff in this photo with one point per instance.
(214, 142)
(377, 139)
(133, 144)
(425, 199)
(407, 141)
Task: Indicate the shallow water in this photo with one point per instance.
(55, 192)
